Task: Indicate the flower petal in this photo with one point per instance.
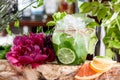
(40, 58)
(25, 60)
(11, 58)
(34, 65)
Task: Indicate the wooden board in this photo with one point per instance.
(49, 72)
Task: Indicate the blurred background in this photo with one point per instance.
(33, 18)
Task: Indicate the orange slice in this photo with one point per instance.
(101, 64)
(100, 67)
(104, 60)
(86, 73)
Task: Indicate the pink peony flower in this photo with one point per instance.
(30, 50)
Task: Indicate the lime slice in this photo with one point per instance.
(66, 56)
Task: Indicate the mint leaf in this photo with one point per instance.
(109, 53)
(17, 24)
(79, 45)
(117, 7)
(102, 13)
(85, 7)
(8, 30)
(66, 40)
(39, 3)
(51, 23)
(114, 44)
(92, 25)
(114, 1)
(95, 7)
(58, 16)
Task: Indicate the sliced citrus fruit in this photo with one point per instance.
(100, 67)
(104, 59)
(101, 64)
(66, 56)
(86, 73)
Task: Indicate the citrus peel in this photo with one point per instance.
(86, 73)
(101, 64)
(94, 68)
(100, 67)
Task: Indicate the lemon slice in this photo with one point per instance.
(66, 56)
(101, 63)
(100, 67)
(104, 59)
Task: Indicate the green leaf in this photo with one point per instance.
(117, 7)
(118, 23)
(51, 23)
(66, 40)
(39, 29)
(110, 53)
(4, 50)
(92, 25)
(114, 44)
(114, 1)
(8, 30)
(102, 13)
(58, 16)
(79, 45)
(95, 7)
(71, 1)
(39, 3)
(94, 10)
(85, 7)
(17, 24)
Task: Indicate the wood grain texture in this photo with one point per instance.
(49, 72)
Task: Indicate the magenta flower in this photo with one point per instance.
(30, 50)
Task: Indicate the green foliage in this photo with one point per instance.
(8, 30)
(51, 23)
(3, 51)
(109, 53)
(56, 17)
(17, 23)
(46, 31)
(39, 3)
(97, 9)
(112, 38)
(105, 13)
(6, 16)
(92, 24)
(85, 7)
(100, 11)
(71, 1)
